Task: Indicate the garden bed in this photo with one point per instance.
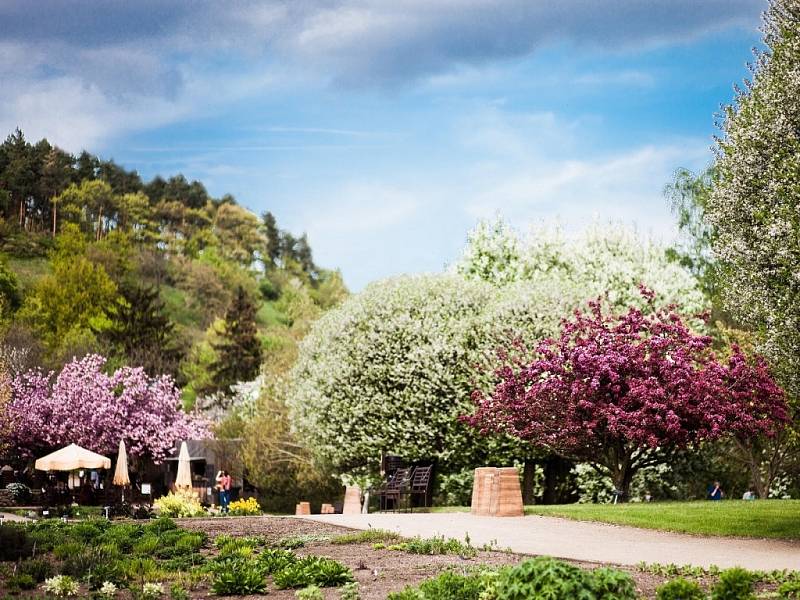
(380, 562)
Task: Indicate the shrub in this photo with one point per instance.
(680, 589)
(368, 536)
(20, 492)
(350, 591)
(61, 586)
(179, 505)
(244, 507)
(312, 570)
(734, 584)
(311, 592)
(14, 542)
(38, 568)
(20, 581)
(238, 578)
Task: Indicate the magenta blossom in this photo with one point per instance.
(621, 391)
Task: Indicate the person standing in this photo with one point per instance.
(715, 493)
(224, 491)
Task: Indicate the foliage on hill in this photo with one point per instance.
(158, 274)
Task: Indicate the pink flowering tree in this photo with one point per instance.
(86, 406)
(623, 391)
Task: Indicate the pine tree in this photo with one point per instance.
(239, 351)
(272, 250)
(142, 333)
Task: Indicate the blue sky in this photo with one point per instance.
(386, 129)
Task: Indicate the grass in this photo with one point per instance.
(29, 270)
(368, 536)
(778, 519)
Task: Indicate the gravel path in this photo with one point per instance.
(584, 541)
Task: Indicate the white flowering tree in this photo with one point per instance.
(605, 260)
(393, 368)
(754, 206)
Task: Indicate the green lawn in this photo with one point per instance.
(759, 519)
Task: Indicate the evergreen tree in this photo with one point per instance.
(272, 249)
(142, 333)
(239, 351)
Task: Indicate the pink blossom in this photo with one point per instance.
(88, 407)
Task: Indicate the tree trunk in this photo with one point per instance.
(528, 479)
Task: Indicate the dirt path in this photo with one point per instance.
(582, 541)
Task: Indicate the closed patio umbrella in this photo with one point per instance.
(121, 472)
(121, 476)
(184, 478)
(72, 457)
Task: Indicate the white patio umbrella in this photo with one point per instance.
(184, 478)
(121, 477)
(72, 457)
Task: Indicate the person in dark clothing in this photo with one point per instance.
(715, 492)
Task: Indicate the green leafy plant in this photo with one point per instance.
(104, 571)
(680, 589)
(274, 560)
(312, 570)
(312, 592)
(436, 545)
(350, 591)
(147, 546)
(611, 584)
(67, 549)
(734, 584)
(789, 590)
(238, 578)
(178, 592)
(545, 577)
(161, 525)
(20, 581)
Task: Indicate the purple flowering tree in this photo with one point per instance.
(85, 406)
(622, 391)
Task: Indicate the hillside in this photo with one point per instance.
(152, 274)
